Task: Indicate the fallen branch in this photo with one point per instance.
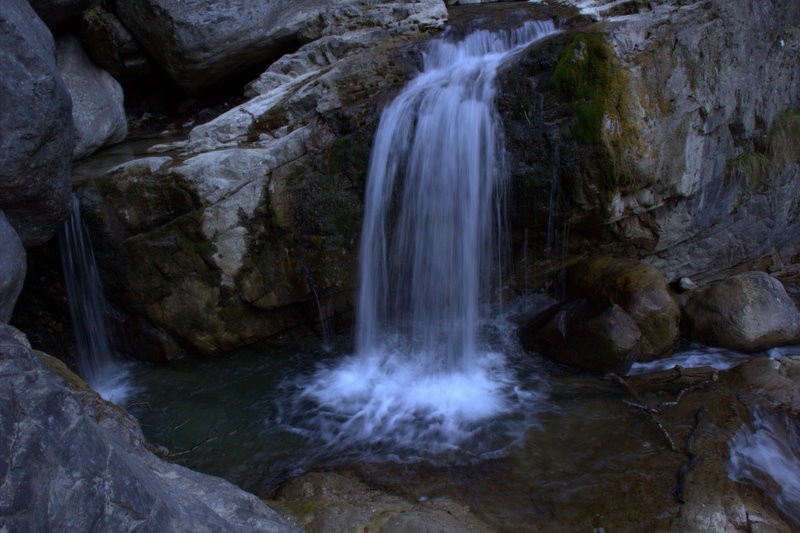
(653, 412)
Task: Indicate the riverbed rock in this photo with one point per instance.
(200, 44)
(657, 151)
(641, 290)
(588, 335)
(253, 227)
(748, 312)
(73, 461)
(12, 268)
(37, 141)
(329, 502)
(98, 110)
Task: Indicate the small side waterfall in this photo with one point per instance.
(87, 305)
(422, 374)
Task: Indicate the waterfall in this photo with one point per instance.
(433, 203)
(422, 375)
(87, 305)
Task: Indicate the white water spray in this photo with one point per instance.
(767, 454)
(421, 375)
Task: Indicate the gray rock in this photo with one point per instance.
(55, 13)
(201, 43)
(686, 168)
(240, 232)
(73, 462)
(98, 112)
(12, 268)
(748, 312)
(37, 141)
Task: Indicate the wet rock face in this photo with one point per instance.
(200, 43)
(12, 268)
(72, 461)
(658, 149)
(748, 312)
(37, 141)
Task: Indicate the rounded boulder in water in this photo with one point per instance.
(748, 312)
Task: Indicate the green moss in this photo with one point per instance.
(782, 149)
(783, 141)
(753, 165)
(585, 74)
(349, 155)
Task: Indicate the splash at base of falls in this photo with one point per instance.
(383, 406)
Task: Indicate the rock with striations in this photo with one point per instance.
(74, 462)
(748, 312)
(98, 111)
(202, 43)
(12, 268)
(36, 124)
(682, 159)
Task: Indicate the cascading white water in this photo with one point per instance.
(432, 229)
(87, 305)
(767, 454)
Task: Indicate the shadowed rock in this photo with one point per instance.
(73, 462)
(36, 121)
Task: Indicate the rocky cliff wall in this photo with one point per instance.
(667, 132)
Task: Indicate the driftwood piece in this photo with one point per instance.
(673, 378)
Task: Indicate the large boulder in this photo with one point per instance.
(37, 141)
(201, 43)
(73, 462)
(584, 335)
(748, 312)
(98, 112)
(641, 290)
(239, 236)
(12, 268)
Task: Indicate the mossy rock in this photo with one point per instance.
(641, 290)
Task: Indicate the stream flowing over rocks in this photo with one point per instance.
(220, 153)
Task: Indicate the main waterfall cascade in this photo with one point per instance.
(423, 373)
(94, 355)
